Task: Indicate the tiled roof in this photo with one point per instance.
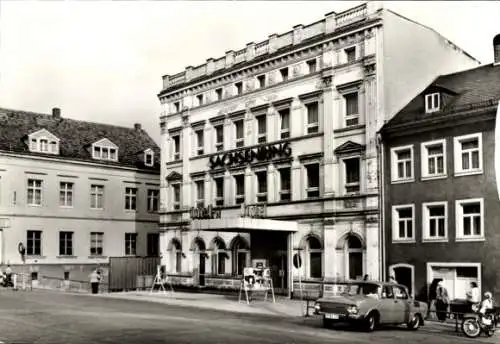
(465, 90)
(75, 137)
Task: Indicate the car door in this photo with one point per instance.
(401, 305)
(387, 305)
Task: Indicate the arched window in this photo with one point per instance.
(314, 256)
(219, 256)
(239, 251)
(176, 256)
(354, 257)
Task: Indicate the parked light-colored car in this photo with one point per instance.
(370, 304)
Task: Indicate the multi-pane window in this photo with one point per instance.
(44, 145)
(240, 138)
(104, 153)
(130, 198)
(432, 102)
(312, 117)
(261, 128)
(176, 190)
(34, 243)
(96, 243)
(284, 123)
(312, 180)
(350, 54)
(219, 258)
(470, 219)
(351, 109)
(148, 159)
(97, 196)
(200, 142)
(285, 185)
(200, 193)
(34, 192)
(352, 175)
(434, 220)
(199, 98)
(219, 138)
(219, 191)
(468, 154)
(262, 80)
(153, 199)
(402, 163)
(433, 158)
(314, 256)
(284, 74)
(261, 186)
(403, 222)
(130, 244)
(239, 180)
(66, 194)
(65, 243)
(177, 146)
(239, 88)
(312, 65)
(218, 93)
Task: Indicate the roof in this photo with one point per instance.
(75, 137)
(465, 90)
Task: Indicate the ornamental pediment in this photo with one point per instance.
(348, 148)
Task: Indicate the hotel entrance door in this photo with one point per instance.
(279, 272)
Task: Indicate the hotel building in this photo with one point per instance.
(441, 200)
(74, 193)
(270, 152)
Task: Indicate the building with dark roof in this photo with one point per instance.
(289, 124)
(440, 191)
(74, 193)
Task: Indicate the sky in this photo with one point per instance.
(102, 61)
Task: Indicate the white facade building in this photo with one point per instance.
(289, 123)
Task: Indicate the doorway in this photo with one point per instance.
(200, 257)
(279, 272)
(404, 274)
(354, 257)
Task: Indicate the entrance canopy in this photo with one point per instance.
(243, 224)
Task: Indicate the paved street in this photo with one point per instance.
(55, 317)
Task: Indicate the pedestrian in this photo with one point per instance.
(8, 276)
(442, 301)
(473, 296)
(392, 279)
(95, 278)
(431, 300)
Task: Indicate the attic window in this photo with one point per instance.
(148, 158)
(432, 102)
(43, 142)
(105, 153)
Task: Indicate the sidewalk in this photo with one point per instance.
(283, 307)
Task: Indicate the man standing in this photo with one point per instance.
(95, 278)
(8, 276)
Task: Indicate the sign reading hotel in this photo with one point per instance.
(205, 213)
(257, 211)
(264, 153)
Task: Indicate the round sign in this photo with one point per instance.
(297, 261)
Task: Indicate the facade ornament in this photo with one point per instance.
(249, 103)
(271, 97)
(296, 70)
(249, 85)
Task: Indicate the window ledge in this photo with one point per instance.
(130, 210)
(471, 239)
(66, 206)
(402, 181)
(403, 241)
(34, 205)
(66, 256)
(429, 240)
(468, 173)
(441, 176)
(97, 257)
(96, 209)
(35, 257)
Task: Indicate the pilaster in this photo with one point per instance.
(249, 184)
(272, 123)
(250, 135)
(228, 189)
(228, 134)
(328, 115)
(185, 154)
(330, 242)
(296, 180)
(296, 118)
(209, 136)
(271, 183)
(208, 190)
(372, 248)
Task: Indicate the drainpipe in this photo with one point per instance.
(381, 178)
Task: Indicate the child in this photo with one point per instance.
(486, 304)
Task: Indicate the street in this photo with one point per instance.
(55, 317)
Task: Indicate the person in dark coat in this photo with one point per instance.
(442, 301)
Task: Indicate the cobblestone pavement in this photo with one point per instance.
(63, 318)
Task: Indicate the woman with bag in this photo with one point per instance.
(442, 301)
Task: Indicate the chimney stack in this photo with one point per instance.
(56, 112)
(137, 126)
(496, 49)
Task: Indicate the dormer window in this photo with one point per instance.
(105, 150)
(432, 102)
(149, 157)
(43, 141)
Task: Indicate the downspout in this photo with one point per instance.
(381, 178)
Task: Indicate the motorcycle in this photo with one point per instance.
(473, 324)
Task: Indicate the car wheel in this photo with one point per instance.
(414, 323)
(370, 322)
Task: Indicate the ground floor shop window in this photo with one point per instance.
(456, 277)
(314, 254)
(239, 253)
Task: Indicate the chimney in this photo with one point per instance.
(56, 112)
(137, 126)
(496, 49)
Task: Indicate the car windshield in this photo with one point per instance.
(355, 289)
